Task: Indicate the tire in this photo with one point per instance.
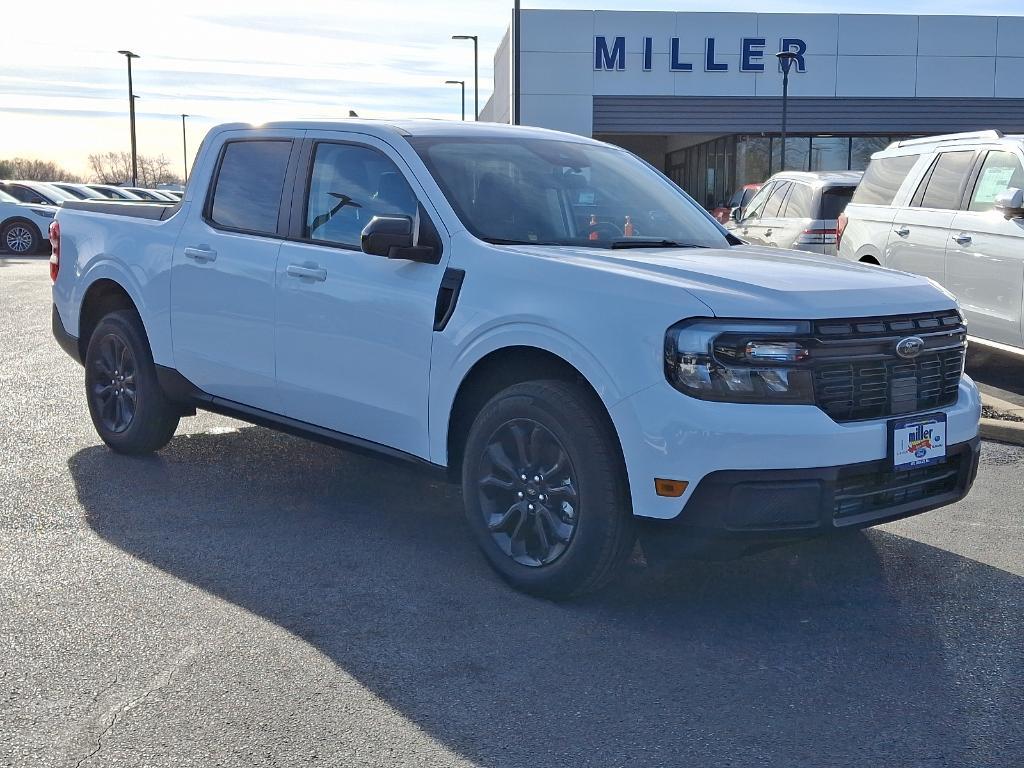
(21, 237)
(554, 434)
(129, 410)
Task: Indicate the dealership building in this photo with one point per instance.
(699, 95)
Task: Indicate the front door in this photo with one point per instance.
(354, 331)
(985, 256)
(920, 231)
(749, 227)
(223, 272)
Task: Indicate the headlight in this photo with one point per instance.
(740, 361)
(46, 213)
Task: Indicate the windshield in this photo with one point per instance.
(549, 192)
(5, 198)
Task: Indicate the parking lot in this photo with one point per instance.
(246, 598)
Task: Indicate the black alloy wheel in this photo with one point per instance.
(113, 384)
(527, 493)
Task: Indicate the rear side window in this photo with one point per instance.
(1001, 171)
(774, 205)
(249, 185)
(798, 206)
(834, 201)
(945, 183)
(883, 178)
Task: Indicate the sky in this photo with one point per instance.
(63, 87)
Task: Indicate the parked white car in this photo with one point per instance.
(23, 226)
(797, 210)
(35, 192)
(950, 208)
(544, 317)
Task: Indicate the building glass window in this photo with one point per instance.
(863, 147)
(752, 161)
(830, 153)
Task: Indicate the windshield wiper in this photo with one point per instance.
(504, 241)
(637, 242)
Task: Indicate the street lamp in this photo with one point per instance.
(786, 59)
(184, 145)
(131, 115)
(476, 72)
(463, 84)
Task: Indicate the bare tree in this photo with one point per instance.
(34, 170)
(116, 168)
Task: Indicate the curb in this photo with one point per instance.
(1011, 432)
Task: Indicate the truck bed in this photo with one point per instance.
(141, 210)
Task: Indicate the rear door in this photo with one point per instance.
(920, 231)
(795, 218)
(223, 271)
(354, 330)
(773, 223)
(985, 256)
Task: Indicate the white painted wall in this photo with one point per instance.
(847, 55)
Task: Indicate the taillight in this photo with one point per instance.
(54, 250)
(840, 228)
(817, 237)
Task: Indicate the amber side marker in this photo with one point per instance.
(672, 488)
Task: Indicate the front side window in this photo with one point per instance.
(551, 192)
(753, 211)
(1000, 171)
(26, 195)
(883, 179)
(249, 183)
(946, 182)
(348, 186)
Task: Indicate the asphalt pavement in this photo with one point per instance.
(246, 598)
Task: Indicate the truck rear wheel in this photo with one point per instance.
(545, 491)
(129, 410)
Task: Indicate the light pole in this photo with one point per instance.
(131, 115)
(184, 146)
(463, 84)
(476, 72)
(785, 61)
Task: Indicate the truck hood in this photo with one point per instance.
(753, 281)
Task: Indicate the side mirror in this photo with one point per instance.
(392, 238)
(1010, 203)
(736, 215)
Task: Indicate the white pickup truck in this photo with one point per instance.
(544, 316)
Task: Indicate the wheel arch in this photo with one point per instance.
(103, 296)
(499, 369)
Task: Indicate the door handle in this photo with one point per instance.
(903, 231)
(767, 233)
(745, 230)
(309, 273)
(962, 239)
(201, 254)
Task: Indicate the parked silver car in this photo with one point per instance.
(797, 210)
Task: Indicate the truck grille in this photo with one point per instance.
(858, 375)
(877, 491)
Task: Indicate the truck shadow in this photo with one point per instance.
(858, 649)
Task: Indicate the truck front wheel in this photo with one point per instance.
(545, 490)
(129, 410)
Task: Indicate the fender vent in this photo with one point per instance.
(447, 297)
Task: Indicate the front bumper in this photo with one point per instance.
(760, 505)
(665, 434)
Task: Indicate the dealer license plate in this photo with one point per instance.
(918, 441)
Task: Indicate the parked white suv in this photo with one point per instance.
(950, 208)
(544, 317)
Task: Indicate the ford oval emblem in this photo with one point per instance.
(910, 347)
